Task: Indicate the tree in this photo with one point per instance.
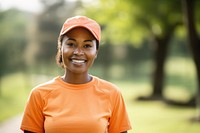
(134, 21)
(161, 21)
(13, 24)
(194, 42)
(47, 28)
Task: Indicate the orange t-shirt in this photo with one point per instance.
(59, 107)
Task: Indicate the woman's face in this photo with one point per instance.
(78, 50)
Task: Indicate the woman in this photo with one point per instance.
(76, 102)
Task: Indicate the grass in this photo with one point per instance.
(14, 93)
(156, 117)
(146, 117)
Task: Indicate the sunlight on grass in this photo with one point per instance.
(177, 94)
(155, 117)
(180, 66)
(181, 74)
(14, 93)
(15, 89)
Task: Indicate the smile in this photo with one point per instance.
(78, 61)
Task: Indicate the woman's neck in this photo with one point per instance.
(76, 78)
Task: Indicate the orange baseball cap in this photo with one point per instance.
(82, 21)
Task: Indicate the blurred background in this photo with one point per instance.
(150, 49)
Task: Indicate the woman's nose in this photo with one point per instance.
(78, 51)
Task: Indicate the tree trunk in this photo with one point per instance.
(161, 51)
(0, 86)
(107, 61)
(194, 42)
(160, 55)
(160, 58)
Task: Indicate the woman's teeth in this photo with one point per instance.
(78, 61)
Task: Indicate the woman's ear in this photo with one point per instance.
(96, 53)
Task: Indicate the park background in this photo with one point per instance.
(145, 50)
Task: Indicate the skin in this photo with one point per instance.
(78, 44)
(78, 54)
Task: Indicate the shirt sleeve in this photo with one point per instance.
(33, 119)
(119, 120)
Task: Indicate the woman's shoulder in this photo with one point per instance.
(46, 87)
(48, 84)
(106, 85)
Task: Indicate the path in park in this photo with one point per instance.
(11, 125)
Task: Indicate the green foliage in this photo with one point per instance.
(13, 24)
(48, 26)
(197, 16)
(132, 21)
(114, 16)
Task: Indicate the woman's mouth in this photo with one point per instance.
(78, 61)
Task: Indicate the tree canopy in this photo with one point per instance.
(13, 25)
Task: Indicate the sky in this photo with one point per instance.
(27, 5)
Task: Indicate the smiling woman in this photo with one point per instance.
(76, 102)
(78, 54)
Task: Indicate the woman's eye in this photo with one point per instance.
(70, 44)
(87, 46)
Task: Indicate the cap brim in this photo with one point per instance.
(76, 26)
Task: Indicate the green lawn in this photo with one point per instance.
(13, 95)
(146, 117)
(156, 117)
